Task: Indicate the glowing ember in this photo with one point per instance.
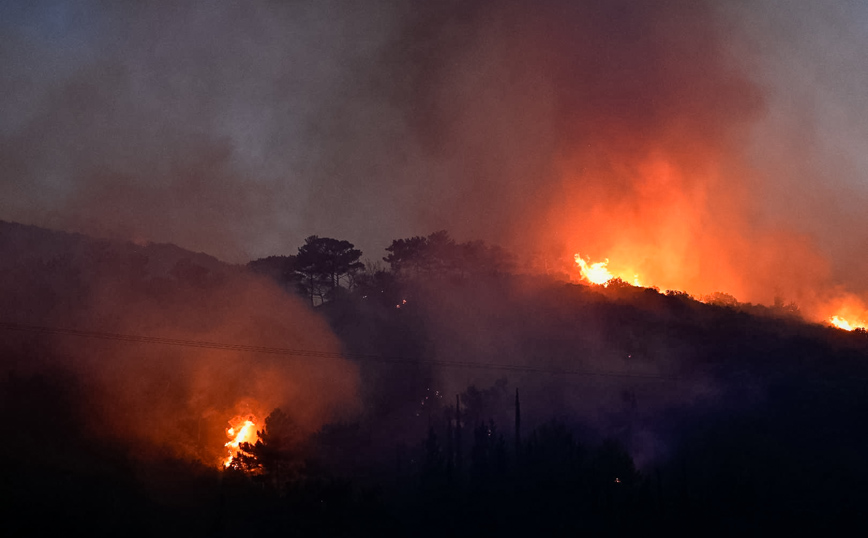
(596, 273)
(242, 429)
(842, 323)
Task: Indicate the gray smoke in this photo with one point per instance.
(240, 128)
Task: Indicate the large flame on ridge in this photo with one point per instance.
(242, 429)
(679, 221)
(599, 273)
(841, 323)
(847, 325)
(596, 273)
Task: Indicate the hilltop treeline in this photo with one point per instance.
(489, 401)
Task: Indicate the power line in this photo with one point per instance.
(139, 339)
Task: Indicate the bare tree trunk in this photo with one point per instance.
(517, 426)
(457, 433)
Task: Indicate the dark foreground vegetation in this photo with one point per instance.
(756, 474)
(492, 404)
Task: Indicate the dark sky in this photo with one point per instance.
(706, 145)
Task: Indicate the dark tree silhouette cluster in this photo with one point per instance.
(278, 454)
(438, 255)
(756, 428)
(323, 262)
(318, 270)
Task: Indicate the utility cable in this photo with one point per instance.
(139, 339)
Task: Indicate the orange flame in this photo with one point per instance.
(683, 223)
(242, 429)
(842, 323)
(596, 273)
(600, 273)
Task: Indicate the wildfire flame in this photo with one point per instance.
(596, 273)
(242, 429)
(842, 323)
(600, 273)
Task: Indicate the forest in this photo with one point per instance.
(436, 388)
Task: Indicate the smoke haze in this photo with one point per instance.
(164, 399)
(700, 146)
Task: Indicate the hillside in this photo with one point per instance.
(741, 415)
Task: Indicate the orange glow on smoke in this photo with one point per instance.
(677, 221)
(595, 273)
(648, 221)
(242, 429)
(842, 323)
(598, 272)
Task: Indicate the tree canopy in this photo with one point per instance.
(439, 255)
(277, 454)
(323, 262)
(280, 268)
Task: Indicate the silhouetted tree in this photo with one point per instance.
(479, 258)
(322, 262)
(407, 256)
(720, 299)
(277, 455)
(488, 455)
(782, 308)
(551, 452)
(517, 439)
(480, 403)
(678, 294)
(433, 454)
(377, 285)
(618, 283)
(439, 255)
(281, 269)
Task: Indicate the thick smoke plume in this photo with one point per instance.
(155, 398)
(700, 146)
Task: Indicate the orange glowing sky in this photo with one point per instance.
(702, 145)
(673, 234)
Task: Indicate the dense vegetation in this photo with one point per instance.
(493, 403)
